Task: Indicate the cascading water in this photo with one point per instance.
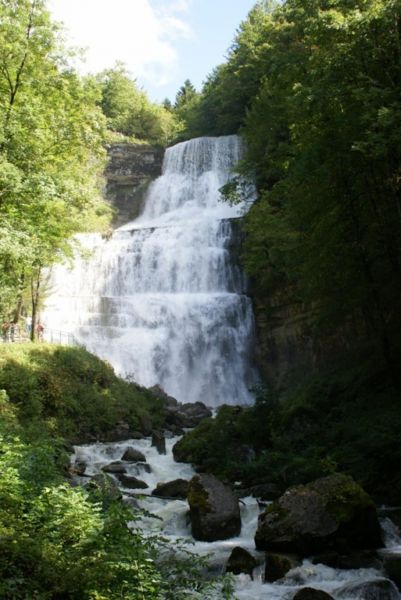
(162, 300)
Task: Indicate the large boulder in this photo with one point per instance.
(172, 489)
(186, 415)
(115, 467)
(278, 565)
(133, 455)
(241, 561)
(375, 589)
(131, 482)
(332, 513)
(214, 509)
(159, 442)
(308, 593)
(392, 564)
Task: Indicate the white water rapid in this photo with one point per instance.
(173, 524)
(162, 300)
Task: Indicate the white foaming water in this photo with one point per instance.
(162, 300)
(173, 524)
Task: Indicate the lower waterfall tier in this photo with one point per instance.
(192, 345)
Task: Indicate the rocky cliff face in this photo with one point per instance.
(288, 345)
(130, 170)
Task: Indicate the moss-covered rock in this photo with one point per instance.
(330, 513)
(214, 509)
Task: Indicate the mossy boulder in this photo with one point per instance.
(333, 513)
(214, 509)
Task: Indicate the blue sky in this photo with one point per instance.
(162, 42)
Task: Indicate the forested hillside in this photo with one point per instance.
(314, 88)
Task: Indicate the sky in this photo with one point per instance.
(161, 42)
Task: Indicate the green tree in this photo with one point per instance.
(130, 112)
(51, 148)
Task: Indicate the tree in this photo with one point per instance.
(51, 148)
(129, 111)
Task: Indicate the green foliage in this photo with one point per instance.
(51, 153)
(130, 112)
(71, 393)
(343, 420)
(58, 541)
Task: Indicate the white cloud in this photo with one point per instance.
(141, 33)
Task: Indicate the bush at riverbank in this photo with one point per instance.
(65, 542)
(71, 393)
(343, 421)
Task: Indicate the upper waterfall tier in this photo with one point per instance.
(163, 300)
(193, 173)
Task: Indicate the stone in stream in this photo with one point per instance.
(159, 442)
(178, 488)
(366, 559)
(278, 565)
(375, 589)
(308, 593)
(115, 467)
(214, 509)
(392, 564)
(332, 513)
(133, 455)
(128, 481)
(241, 561)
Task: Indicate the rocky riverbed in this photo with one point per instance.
(323, 538)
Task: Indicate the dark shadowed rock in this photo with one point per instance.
(159, 442)
(376, 589)
(193, 413)
(241, 561)
(308, 593)
(146, 425)
(354, 560)
(332, 513)
(214, 509)
(392, 565)
(172, 489)
(262, 491)
(115, 467)
(278, 565)
(133, 455)
(128, 481)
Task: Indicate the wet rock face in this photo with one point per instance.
(214, 509)
(172, 489)
(133, 455)
(392, 565)
(128, 481)
(130, 170)
(241, 561)
(330, 513)
(376, 589)
(308, 593)
(278, 565)
(159, 442)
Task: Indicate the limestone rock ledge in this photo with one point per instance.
(130, 170)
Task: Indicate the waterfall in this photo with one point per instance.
(163, 300)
